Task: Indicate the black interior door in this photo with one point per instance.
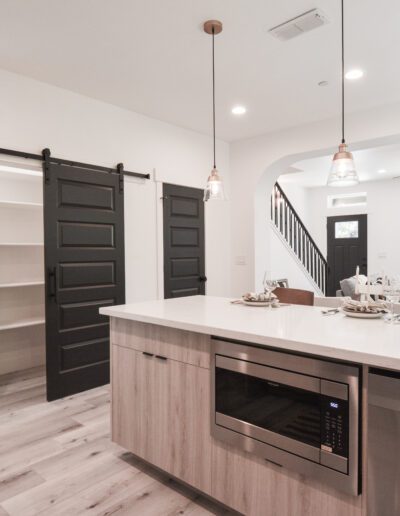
(184, 251)
(84, 261)
(347, 248)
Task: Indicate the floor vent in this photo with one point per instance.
(296, 26)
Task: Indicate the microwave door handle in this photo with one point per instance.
(271, 374)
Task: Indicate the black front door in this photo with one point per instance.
(184, 258)
(347, 248)
(84, 260)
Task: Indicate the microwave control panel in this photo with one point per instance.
(334, 426)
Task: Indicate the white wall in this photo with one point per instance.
(283, 264)
(35, 115)
(283, 261)
(257, 162)
(312, 206)
(383, 221)
(298, 196)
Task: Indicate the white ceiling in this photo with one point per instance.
(152, 57)
(314, 172)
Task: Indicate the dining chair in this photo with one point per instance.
(294, 296)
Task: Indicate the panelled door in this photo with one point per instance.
(84, 262)
(184, 250)
(347, 248)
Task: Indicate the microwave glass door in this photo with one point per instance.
(286, 410)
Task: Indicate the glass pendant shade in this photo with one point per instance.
(214, 189)
(343, 171)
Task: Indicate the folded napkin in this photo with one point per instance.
(260, 298)
(366, 307)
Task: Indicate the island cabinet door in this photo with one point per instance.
(161, 412)
(255, 487)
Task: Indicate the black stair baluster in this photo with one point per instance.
(293, 230)
(313, 262)
(301, 245)
(286, 221)
(298, 241)
(272, 205)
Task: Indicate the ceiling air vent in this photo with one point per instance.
(297, 26)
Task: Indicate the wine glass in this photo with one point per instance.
(391, 290)
(269, 286)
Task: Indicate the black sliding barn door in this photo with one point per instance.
(84, 261)
(184, 250)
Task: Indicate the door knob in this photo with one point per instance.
(202, 278)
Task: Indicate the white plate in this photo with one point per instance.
(256, 303)
(360, 315)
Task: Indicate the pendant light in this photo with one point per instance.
(214, 189)
(343, 171)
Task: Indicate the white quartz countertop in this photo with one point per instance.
(296, 328)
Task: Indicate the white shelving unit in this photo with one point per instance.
(22, 284)
(21, 244)
(22, 340)
(20, 204)
(22, 323)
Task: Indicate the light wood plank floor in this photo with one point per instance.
(57, 459)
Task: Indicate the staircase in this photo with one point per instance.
(292, 230)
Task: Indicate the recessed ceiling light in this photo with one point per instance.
(352, 75)
(239, 110)
(382, 171)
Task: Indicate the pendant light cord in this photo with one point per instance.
(343, 138)
(213, 81)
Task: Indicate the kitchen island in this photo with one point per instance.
(164, 406)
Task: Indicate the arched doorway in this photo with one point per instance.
(263, 231)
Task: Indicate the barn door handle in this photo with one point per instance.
(52, 281)
(203, 278)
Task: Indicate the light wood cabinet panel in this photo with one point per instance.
(256, 488)
(161, 412)
(183, 346)
(129, 403)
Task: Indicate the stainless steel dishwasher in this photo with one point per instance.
(384, 443)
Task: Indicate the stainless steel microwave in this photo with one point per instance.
(298, 412)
